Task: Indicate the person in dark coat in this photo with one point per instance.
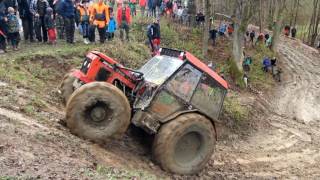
(67, 10)
(152, 8)
(293, 32)
(26, 18)
(38, 10)
(213, 36)
(3, 27)
(154, 35)
(157, 4)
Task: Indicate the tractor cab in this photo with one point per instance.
(176, 83)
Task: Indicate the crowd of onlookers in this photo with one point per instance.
(49, 20)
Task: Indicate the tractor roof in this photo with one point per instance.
(196, 62)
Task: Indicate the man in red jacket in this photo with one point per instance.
(124, 19)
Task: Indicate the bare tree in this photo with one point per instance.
(207, 8)
(314, 23)
(243, 12)
(278, 22)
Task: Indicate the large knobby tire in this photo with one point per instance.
(98, 111)
(185, 144)
(66, 87)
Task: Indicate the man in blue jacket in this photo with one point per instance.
(67, 10)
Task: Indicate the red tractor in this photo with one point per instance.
(174, 97)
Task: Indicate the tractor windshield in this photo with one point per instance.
(159, 68)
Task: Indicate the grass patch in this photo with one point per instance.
(112, 173)
(257, 77)
(235, 110)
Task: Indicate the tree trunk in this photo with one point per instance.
(314, 23)
(278, 23)
(296, 13)
(260, 17)
(206, 12)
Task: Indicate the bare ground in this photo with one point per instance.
(288, 145)
(285, 144)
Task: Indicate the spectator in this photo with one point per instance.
(185, 16)
(132, 5)
(287, 30)
(169, 9)
(246, 63)
(119, 2)
(293, 32)
(124, 20)
(266, 37)
(59, 21)
(151, 8)
(230, 29)
(163, 8)
(26, 18)
(100, 18)
(85, 20)
(222, 29)
(49, 24)
(38, 10)
(157, 5)
(213, 36)
(200, 18)
(112, 26)
(13, 28)
(266, 64)
(112, 3)
(142, 4)
(77, 16)
(252, 36)
(273, 61)
(3, 28)
(67, 10)
(269, 42)
(154, 35)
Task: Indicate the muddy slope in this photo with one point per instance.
(288, 146)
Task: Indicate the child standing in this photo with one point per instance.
(13, 29)
(50, 25)
(112, 26)
(84, 20)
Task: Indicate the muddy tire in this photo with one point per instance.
(98, 111)
(185, 144)
(66, 87)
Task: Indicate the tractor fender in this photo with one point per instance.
(177, 114)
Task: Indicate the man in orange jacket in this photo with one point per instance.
(124, 19)
(100, 18)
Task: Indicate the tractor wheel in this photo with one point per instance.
(66, 87)
(98, 111)
(185, 144)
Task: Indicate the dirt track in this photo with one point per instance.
(287, 145)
